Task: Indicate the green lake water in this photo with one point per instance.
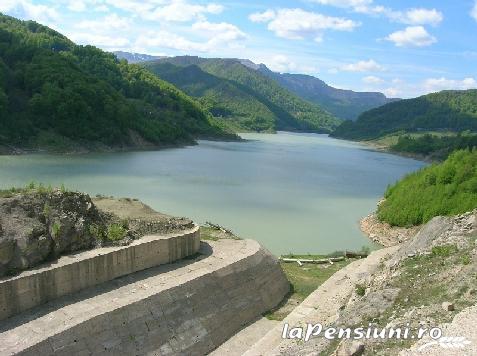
(300, 193)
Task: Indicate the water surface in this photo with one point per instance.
(301, 193)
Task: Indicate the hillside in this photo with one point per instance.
(224, 99)
(289, 111)
(57, 95)
(345, 104)
(444, 111)
(448, 188)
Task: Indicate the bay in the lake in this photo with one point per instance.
(300, 193)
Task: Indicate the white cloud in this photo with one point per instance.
(419, 17)
(298, 24)
(217, 36)
(415, 16)
(25, 9)
(391, 92)
(77, 6)
(265, 16)
(167, 10)
(281, 63)
(473, 13)
(103, 41)
(438, 84)
(373, 80)
(413, 36)
(107, 23)
(363, 66)
(353, 4)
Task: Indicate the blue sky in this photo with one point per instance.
(402, 48)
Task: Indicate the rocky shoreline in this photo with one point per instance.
(384, 234)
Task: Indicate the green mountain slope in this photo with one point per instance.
(225, 99)
(54, 93)
(289, 112)
(345, 104)
(447, 110)
(448, 188)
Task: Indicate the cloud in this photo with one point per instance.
(168, 10)
(362, 66)
(391, 92)
(298, 24)
(373, 80)
(107, 23)
(217, 36)
(415, 16)
(438, 84)
(473, 12)
(265, 16)
(25, 9)
(413, 36)
(103, 41)
(419, 17)
(77, 6)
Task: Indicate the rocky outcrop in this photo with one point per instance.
(36, 226)
(42, 224)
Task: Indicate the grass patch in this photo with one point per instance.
(303, 280)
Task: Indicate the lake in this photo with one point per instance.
(300, 193)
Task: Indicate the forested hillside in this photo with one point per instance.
(344, 104)
(448, 188)
(289, 111)
(225, 99)
(447, 110)
(54, 93)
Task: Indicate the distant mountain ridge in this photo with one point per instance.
(344, 104)
(132, 57)
(242, 96)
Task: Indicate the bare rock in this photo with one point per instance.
(350, 348)
(447, 306)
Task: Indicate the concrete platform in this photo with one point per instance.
(72, 273)
(188, 307)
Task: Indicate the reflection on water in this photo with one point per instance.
(301, 193)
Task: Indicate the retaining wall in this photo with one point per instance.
(70, 274)
(186, 308)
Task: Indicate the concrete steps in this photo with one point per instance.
(72, 273)
(188, 307)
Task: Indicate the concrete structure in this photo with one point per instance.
(322, 306)
(70, 274)
(189, 307)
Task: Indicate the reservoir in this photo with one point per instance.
(300, 193)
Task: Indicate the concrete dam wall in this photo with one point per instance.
(70, 274)
(187, 307)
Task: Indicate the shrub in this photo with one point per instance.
(448, 188)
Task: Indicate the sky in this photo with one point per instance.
(402, 48)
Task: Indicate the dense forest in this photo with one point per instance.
(344, 104)
(434, 147)
(447, 110)
(448, 188)
(224, 98)
(55, 93)
(272, 107)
